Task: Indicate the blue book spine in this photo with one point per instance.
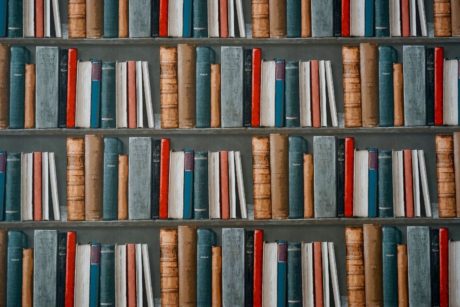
(200, 186)
(204, 58)
(14, 18)
(369, 18)
(3, 19)
(200, 18)
(281, 286)
(187, 19)
(112, 148)
(94, 272)
(96, 71)
(205, 240)
(297, 148)
(279, 93)
(293, 14)
(294, 276)
(292, 94)
(188, 184)
(13, 187)
(372, 188)
(387, 56)
(108, 95)
(110, 18)
(382, 18)
(107, 281)
(385, 184)
(17, 240)
(2, 184)
(19, 58)
(391, 236)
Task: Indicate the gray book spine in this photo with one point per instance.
(45, 264)
(418, 255)
(233, 267)
(139, 18)
(47, 89)
(231, 87)
(140, 161)
(414, 86)
(321, 18)
(324, 162)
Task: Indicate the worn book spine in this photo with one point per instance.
(292, 118)
(408, 183)
(279, 174)
(456, 144)
(382, 18)
(130, 274)
(387, 56)
(62, 87)
(122, 195)
(308, 204)
(261, 177)
(19, 57)
(340, 177)
(231, 87)
(403, 292)
(215, 96)
(156, 156)
(4, 85)
(139, 18)
(71, 86)
(398, 94)
(442, 18)
(29, 96)
(187, 262)
(324, 151)
(45, 267)
(216, 297)
(94, 19)
(414, 86)
(385, 184)
(405, 18)
(112, 148)
(318, 274)
(75, 179)
(27, 276)
(391, 237)
(354, 265)
(204, 59)
(200, 18)
(94, 153)
(297, 148)
(455, 16)
(224, 16)
(110, 23)
(369, 86)
(438, 85)
(280, 74)
(37, 186)
(445, 176)
(131, 94)
(321, 18)
(186, 64)
(123, 18)
(260, 19)
(305, 7)
(204, 289)
(418, 255)
(247, 87)
(107, 276)
(277, 18)
(372, 239)
(293, 10)
(351, 86)
(13, 187)
(315, 94)
(434, 266)
(168, 87)
(430, 72)
(107, 119)
(169, 270)
(17, 241)
(233, 266)
(77, 18)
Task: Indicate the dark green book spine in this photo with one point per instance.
(294, 268)
(297, 148)
(112, 148)
(293, 18)
(382, 18)
(13, 187)
(205, 241)
(108, 95)
(292, 94)
(387, 56)
(200, 186)
(200, 18)
(385, 184)
(15, 18)
(429, 85)
(391, 238)
(248, 268)
(204, 57)
(247, 89)
(155, 15)
(19, 58)
(17, 240)
(107, 288)
(63, 70)
(61, 265)
(156, 151)
(110, 18)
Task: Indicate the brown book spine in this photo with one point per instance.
(168, 87)
(455, 12)
(260, 19)
(279, 164)
(169, 271)
(373, 264)
(37, 182)
(132, 102)
(261, 177)
(4, 84)
(77, 18)
(398, 94)
(75, 179)
(351, 86)
(94, 153)
(308, 203)
(187, 265)
(442, 18)
(215, 95)
(403, 296)
(94, 19)
(39, 18)
(457, 170)
(27, 276)
(123, 25)
(29, 97)
(354, 265)
(186, 63)
(318, 274)
(305, 30)
(216, 281)
(131, 274)
(369, 69)
(445, 176)
(123, 187)
(3, 252)
(277, 17)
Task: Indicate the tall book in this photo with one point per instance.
(280, 76)
(186, 80)
(72, 66)
(17, 241)
(429, 54)
(438, 86)
(4, 84)
(260, 19)
(351, 86)
(169, 273)
(297, 148)
(294, 273)
(187, 259)
(391, 237)
(168, 87)
(361, 184)
(13, 187)
(372, 238)
(19, 56)
(164, 178)
(110, 22)
(385, 184)
(70, 268)
(75, 179)
(231, 87)
(387, 56)
(269, 277)
(247, 87)
(47, 95)
(277, 18)
(414, 86)
(61, 267)
(96, 79)
(94, 19)
(450, 101)
(434, 266)
(382, 18)
(188, 184)
(321, 18)
(112, 148)
(442, 18)
(369, 86)
(233, 266)
(176, 185)
(293, 10)
(445, 176)
(267, 94)
(27, 276)
(45, 267)
(324, 150)
(204, 59)
(279, 174)
(418, 255)
(249, 267)
(83, 95)
(354, 265)
(93, 177)
(261, 177)
(200, 186)
(82, 274)
(107, 276)
(281, 285)
(372, 182)
(205, 241)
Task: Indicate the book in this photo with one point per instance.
(204, 59)
(94, 153)
(200, 186)
(260, 18)
(308, 182)
(414, 80)
(442, 18)
(215, 95)
(17, 241)
(434, 265)
(321, 18)
(120, 275)
(4, 82)
(164, 178)
(240, 18)
(337, 20)
(261, 177)
(361, 184)
(395, 18)
(354, 265)
(269, 277)
(107, 275)
(418, 255)
(47, 67)
(29, 96)
(357, 17)
(214, 185)
(398, 183)
(391, 237)
(19, 56)
(188, 184)
(131, 94)
(369, 7)
(147, 275)
(70, 268)
(96, 74)
(163, 18)
(26, 186)
(319, 293)
(451, 294)
(226, 18)
(247, 87)
(305, 94)
(351, 87)
(77, 18)
(232, 266)
(297, 148)
(424, 183)
(293, 10)
(108, 117)
(216, 298)
(438, 86)
(324, 150)
(398, 94)
(331, 96)
(176, 185)
(72, 66)
(169, 274)
(258, 267)
(385, 184)
(277, 18)
(445, 176)
(121, 94)
(200, 18)
(3, 20)
(281, 279)
(45, 267)
(186, 80)
(13, 187)
(122, 195)
(82, 274)
(205, 241)
(187, 259)
(147, 94)
(416, 183)
(280, 82)
(294, 273)
(450, 97)
(224, 184)
(62, 87)
(3, 158)
(231, 87)
(405, 17)
(139, 19)
(408, 183)
(110, 22)
(240, 186)
(429, 54)
(83, 96)
(372, 182)
(372, 238)
(349, 176)
(168, 87)
(387, 57)
(369, 87)
(403, 292)
(155, 188)
(27, 276)
(382, 16)
(37, 186)
(279, 174)
(112, 148)
(267, 94)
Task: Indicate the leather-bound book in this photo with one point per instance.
(187, 265)
(27, 276)
(354, 265)
(132, 100)
(215, 95)
(94, 19)
(131, 274)
(216, 280)
(94, 153)
(408, 183)
(186, 79)
(123, 24)
(168, 87)
(37, 189)
(351, 86)
(3, 252)
(260, 19)
(455, 15)
(29, 97)
(373, 264)
(277, 17)
(224, 188)
(318, 274)
(308, 204)
(77, 18)
(442, 18)
(75, 179)
(279, 166)
(169, 272)
(445, 176)
(123, 187)
(456, 138)
(403, 296)
(369, 59)
(261, 177)
(305, 18)
(4, 82)
(398, 94)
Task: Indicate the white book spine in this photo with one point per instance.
(395, 17)
(147, 94)
(331, 94)
(450, 106)
(267, 93)
(47, 17)
(305, 94)
(82, 264)
(147, 275)
(232, 184)
(213, 18)
(139, 95)
(325, 263)
(307, 275)
(176, 185)
(54, 187)
(424, 181)
(240, 185)
(357, 17)
(240, 15)
(124, 96)
(118, 81)
(83, 103)
(422, 17)
(400, 204)
(413, 17)
(454, 273)
(57, 19)
(416, 184)
(231, 18)
(334, 276)
(213, 183)
(30, 184)
(175, 17)
(28, 15)
(269, 275)
(360, 185)
(139, 285)
(323, 97)
(45, 186)
(23, 186)
(120, 275)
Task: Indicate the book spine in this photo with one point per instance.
(188, 184)
(112, 148)
(3, 18)
(96, 71)
(19, 58)
(294, 269)
(444, 267)
(204, 58)
(345, 18)
(258, 265)
(123, 18)
(63, 72)
(382, 18)
(45, 267)
(4, 84)
(168, 85)
(281, 279)
(94, 153)
(405, 18)
(169, 273)
(77, 18)
(279, 168)
(337, 19)
(385, 184)
(351, 86)
(324, 150)
(403, 292)
(200, 18)
(369, 18)
(223, 20)
(297, 148)
(122, 198)
(15, 22)
(37, 188)
(247, 88)
(292, 94)
(414, 85)
(387, 56)
(187, 259)
(249, 268)
(442, 18)
(279, 93)
(430, 71)
(27, 276)
(132, 99)
(261, 177)
(163, 18)
(70, 268)
(164, 177)
(3, 262)
(3, 157)
(293, 10)
(340, 177)
(94, 19)
(372, 183)
(369, 88)
(256, 79)
(318, 274)
(260, 19)
(107, 279)
(390, 239)
(354, 265)
(131, 274)
(308, 206)
(205, 240)
(349, 171)
(434, 266)
(139, 20)
(155, 190)
(438, 85)
(13, 187)
(110, 18)
(216, 282)
(233, 266)
(71, 86)
(16, 242)
(155, 18)
(108, 95)
(277, 18)
(321, 18)
(231, 87)
(215, 95)
(418, 256)
(75, 179)
(61, 267)
(398, 94)
(186, 81)
(29, 96)
(408, 183)
(372, 238)
(95, 267)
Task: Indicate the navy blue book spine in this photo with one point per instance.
(155, 15)
(107, 291)
(337, 18)
(434, 267)
(13, 187)
(108, 109)
(340, 177)
(62, 107)
(429, 56)
(247, 82)
(294, 276)
(248, 267)
(61, 269)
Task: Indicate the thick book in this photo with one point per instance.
(112, 148)
(418, 255)
(231, 87)
(324, 150)
(19, 56)
(369, 83)
(281, 278)
(279, 174)
(233, 267)
(75, 179)
(297, 149)
(110, 22)
(429, 55)
(62, 87)
(45, 267)
(387, 56)
(358, 17)
(351, 87)
(13, 187)
(175, 18)
(337, 18)
(354, 265)
(445, 171)
(321, 18)
(294, 274)
(391, 237)
(247, 87)
(169, 272)
(17, 241)
(107, 275)
(292, 116)
(200, 186)
(205, 240)
(204, 59)
(139, 18)
(140, 156)
(442, 18)
(95, 114)
(385, 184)
(261, 177)
(108, 95)
(372, 183)
(372, 235)
(414, 86)
(187, 258)
(293, 10)
(260, 18)
(94, 152)
(280, 73)
(277, 18)
(94, 19)
(186, 76)
(82, 274)
(168, 87)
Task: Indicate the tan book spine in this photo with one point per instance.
(442, 18)
(277, 16)
(308, 171)
(305, 30)
(373, 264)
(123, 187)
(77, 18)
(94, 18)
(354, 265)
(169, 271)
(351, 87)
(187, 265)
(279, 165)
(260, 19)
(457, 170)
(216, 282)
(29, 97)
(455, 15)
(3, 253)
(369, 69)
(123, 24)
(261, 177)
(27, 276)
(398, 94)
(94, 153)
(215, 95)
(186, 64)
(4, 84)
(168, 87)
(75, 179)
(445, 176)
(403, 296)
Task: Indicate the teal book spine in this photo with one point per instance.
(96, 71)
(293, 18)
(205, 241)
(188, 184)
(13, 187)
(369, 18)
(108, 95)
(200, 18)
(372, 183)
(94, 274)
(107, 281)
(19, 58)
(294, 276)
(382, 18)
(200, 186)
(112, 148)
(281, 285)
(391, 237)
(2, 184)
(292, 94)
(204, 58)
(15, 18)
(387, 56)
(385, 193)
(3, 17)
(279, 92)
(187, 18)
(110, 18)
(17, 240)
(297, 148)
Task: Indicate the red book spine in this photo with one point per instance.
(345, 18)
(443, 267)
(256, 75)
(224, 198)
(39, 19)
(349, 176)
(70, 268)
(315, 104)
(318, 274)
(131, 274)
(438, 85)
(258, 267)
(408, 185)
(164, 177)
(132, 104)
(37, 186)
(405, 20)
(223, 18)
(163, 24)
(71, 86)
